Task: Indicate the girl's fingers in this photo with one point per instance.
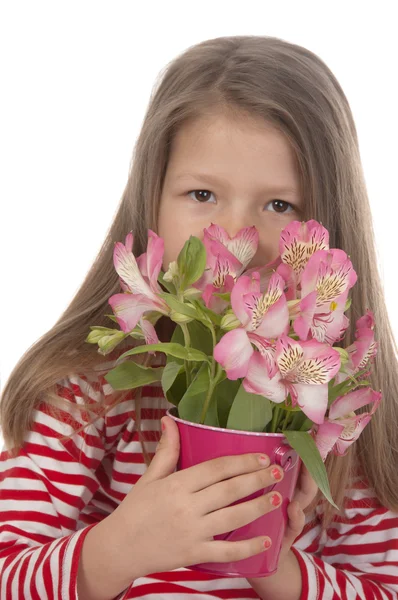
(295, 524)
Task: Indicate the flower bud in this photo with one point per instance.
(344, 356)
(172, 272)
(108, 342)
(229, 322)
(179, 317)
(94, 336)
(192, 293)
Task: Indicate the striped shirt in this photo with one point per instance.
(55, 491)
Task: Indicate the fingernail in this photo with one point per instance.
(275, 500)
(263, 459)
(276, 474)
(163, 426)
(267, 543)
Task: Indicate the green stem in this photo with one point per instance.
(285, 422)
(275, 418)
(187, 340)
(215, 373)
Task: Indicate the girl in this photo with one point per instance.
(240, 131)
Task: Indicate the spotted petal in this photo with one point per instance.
(245, 293)
(320, 363)
(299, 241)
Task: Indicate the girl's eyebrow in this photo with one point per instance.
(215, 180)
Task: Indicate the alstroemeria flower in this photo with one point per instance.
(264, 316)
(325, 283)
(226, 259)
(363, 350)
(139, 279)
(343, 426)
(298, 242)
(304, 370)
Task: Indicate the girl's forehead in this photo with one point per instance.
(217, 150)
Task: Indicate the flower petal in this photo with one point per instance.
(320, 363)
(155, 251)
(289, 355)
(270, 317)
(267, 350)
(257, 380)
(233, 352)
(127, 269)
(243, 297)
(313, 400)
(129, 308)
(149, 332)
(243, 246)
(354, 400)
(300, 240)
(351, 432)
(326, 437)
(302, 324)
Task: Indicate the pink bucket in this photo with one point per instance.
(199, 443)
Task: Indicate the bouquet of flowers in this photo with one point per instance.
(253, 349)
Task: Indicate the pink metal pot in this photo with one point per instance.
(200, 443)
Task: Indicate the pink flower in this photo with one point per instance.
(363, 350)
(297, 243)
(343, 426)
(138, 279)
(304, 370)
(325, 283)
(263, 316)
(226, 259)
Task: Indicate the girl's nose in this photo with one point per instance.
(234, 223)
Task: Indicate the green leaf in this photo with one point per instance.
(191, 404)
(306, 448)
(179, 307)
(178, 389)
(200, 337)
(204, 312)
(225, 392)
(249, 412)
(170, 372)
(168, 348)
(191, 261)
(130, 375)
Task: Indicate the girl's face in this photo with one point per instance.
(234, 172)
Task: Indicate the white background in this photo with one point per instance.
(76, 78)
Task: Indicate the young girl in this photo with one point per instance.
(240, 131)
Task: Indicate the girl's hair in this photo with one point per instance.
(292, 89)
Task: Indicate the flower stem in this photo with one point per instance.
(275, 419)
(187, 340)
(215, 373)
(285, 422)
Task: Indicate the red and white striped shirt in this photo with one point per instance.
(53, 492)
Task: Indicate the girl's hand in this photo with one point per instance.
(304, 494)
(169, 518)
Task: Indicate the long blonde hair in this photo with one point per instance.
(292, 89)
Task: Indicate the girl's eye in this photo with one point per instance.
(201, 196)
(280, 206)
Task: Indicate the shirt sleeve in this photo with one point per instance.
(43, 491)
(358, 558)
